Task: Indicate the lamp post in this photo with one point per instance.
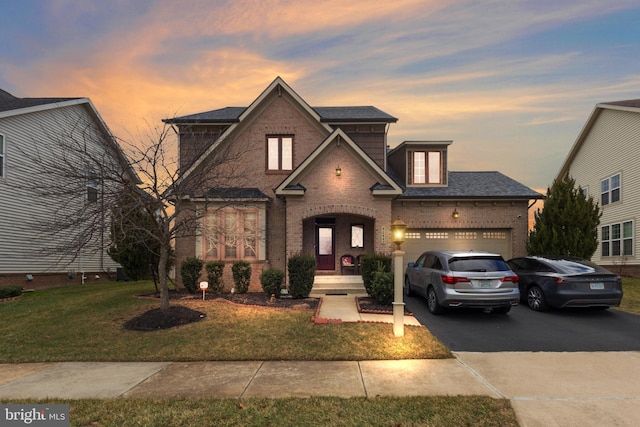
(398, 228)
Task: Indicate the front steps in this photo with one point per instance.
(338, 285)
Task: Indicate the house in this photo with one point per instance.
(33, 133)
(321, 180)
(604, 163)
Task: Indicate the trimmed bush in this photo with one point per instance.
(214, 275)
(241, 276)
(302, 271)
(382, 287)
(10, 291)
(371, 263)
(190, 273)
(272, 280)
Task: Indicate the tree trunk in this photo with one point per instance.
(162, 275)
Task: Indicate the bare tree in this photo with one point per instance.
(88, 178)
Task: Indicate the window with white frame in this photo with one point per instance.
(279, 153)
(617, 239)
(231, 234)
(1, 156)
(425, 167)
(610, 190)
(357, 236)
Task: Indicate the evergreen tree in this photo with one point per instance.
(567, 224)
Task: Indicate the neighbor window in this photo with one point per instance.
(617, 239)
(93, 185)
(1, 156)
(426, 167)
(231, 234)
(610, 190)
(279, 153)
(357, 236)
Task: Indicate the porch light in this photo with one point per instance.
(455, 214)
(398, 228)
(338, 171)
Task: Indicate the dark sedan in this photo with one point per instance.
(560, 282)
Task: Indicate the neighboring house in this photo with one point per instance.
(604, 162)
(321, 180)
(32, 127)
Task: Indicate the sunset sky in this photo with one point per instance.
(510, 82)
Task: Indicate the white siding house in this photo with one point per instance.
(604, 161)
(32, 201)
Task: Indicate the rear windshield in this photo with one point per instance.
(480, 264)
(576, 266)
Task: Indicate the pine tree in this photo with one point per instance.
(567, 224)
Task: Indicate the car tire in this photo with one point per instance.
(432, 301)
(407, 287)
(536, 299)
(502, 310)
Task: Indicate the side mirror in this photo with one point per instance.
(411, 264)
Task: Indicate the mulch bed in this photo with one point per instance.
(178, 315)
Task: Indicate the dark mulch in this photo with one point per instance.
(369, 305)
(155, 319)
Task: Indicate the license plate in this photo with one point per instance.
(596, 285)
(485, 283)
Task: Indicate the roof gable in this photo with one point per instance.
(632, 105)
(384, 187)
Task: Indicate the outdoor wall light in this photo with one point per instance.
(455, 214)
(338, 171)
(398, 228)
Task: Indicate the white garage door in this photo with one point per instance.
(421, 240)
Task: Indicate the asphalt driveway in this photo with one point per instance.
(523, 329)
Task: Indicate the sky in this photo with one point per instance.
(510, 82)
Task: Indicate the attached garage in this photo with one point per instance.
(491, 240)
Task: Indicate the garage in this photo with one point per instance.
(491, 240)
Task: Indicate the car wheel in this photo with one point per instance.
(407, 287)
(536, 299)
(432, 301)
(502, 310)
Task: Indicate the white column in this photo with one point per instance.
(398, 302)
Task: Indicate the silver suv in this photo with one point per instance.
(462, 279)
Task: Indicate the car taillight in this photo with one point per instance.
(558, 280)
(452, 280)
(513, 279)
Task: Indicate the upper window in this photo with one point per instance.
(610, 190)
(617, 239)
(425, 167)
(1, 156)
(279, 153)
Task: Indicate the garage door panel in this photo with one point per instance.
(421, 240)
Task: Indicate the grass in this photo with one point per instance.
(326, 411)
(631, 298)
(85, 323)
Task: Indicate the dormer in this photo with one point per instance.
(421, 163)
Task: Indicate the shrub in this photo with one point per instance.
(271, 280)
(302, 271)
(190, 273)
(214, 275)
(241, 276)
(371, 263)
(382, 287)
(10, 291)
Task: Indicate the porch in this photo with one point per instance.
(338, 285)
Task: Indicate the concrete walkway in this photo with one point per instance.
(545, 389)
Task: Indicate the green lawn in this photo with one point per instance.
(631, 297)
(85, 323)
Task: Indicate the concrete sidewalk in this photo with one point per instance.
(545, 389)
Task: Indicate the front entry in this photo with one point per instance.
(325, 247)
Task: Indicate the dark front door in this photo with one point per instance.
(325, 247)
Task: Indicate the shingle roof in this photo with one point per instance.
(327, 114)
(633, 103)
(474, 185)
(9, 102)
